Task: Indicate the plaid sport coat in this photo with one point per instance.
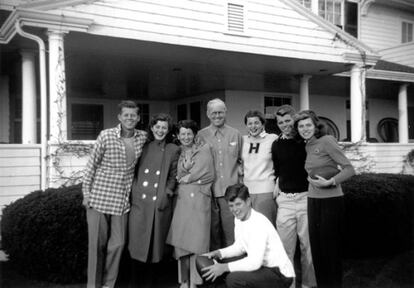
(107, 181)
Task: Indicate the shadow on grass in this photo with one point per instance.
(384, 272)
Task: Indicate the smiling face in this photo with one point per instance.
(285, 124)
(254, 126)
(241, 209)
(306, 128)
(217, 114)
(160, 130)
(186, 137)
(128, 118)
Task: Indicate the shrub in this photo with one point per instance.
(379, 214)
(45, 235)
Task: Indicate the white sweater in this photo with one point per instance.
(257, 237)
(257, 163)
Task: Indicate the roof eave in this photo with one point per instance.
(53, 4)
(347, 39)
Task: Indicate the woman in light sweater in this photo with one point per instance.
(327, 168)
(258, 165)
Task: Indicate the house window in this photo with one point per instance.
(406, 32)
(306, 3)
(271, 103)
(144, 116)
(87, 121)
(331, 10)
(342, 13)
(181, 112)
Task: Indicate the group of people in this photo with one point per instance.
(218, 194)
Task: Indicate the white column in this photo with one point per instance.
(29, 117)
(304, 92)
(402, 114)
(57, 88)
(4, 110)
(357, 104)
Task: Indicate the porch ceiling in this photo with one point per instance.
(106, 67)
(160, 71)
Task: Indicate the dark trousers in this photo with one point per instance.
(222, 224)
(262, 278)
(326, 218)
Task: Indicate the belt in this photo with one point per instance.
(291, 195)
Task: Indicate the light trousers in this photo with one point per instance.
(106, 237)
(292, 223)
(222, 224)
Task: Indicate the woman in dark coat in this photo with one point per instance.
(151, 198)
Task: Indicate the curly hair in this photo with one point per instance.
(255, 113)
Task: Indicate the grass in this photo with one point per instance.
(383, 272)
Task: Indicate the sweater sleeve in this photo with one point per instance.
(275, 159)
(203, 164)
(95, 160)
(337, 155)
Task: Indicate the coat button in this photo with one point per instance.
(144, 196)
(192, 194)
(158, 172)
(146, 171)
(155, 185)
(145, 183)
(154, 198)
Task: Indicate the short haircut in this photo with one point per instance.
(255, 113)
(188, 124)
(215, 101)
(285, 110)
(236, 191)
(164, 118)
(320, 127)
(127, 104)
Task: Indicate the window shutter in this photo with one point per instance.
(235, 18)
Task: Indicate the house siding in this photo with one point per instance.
(383, 22)
(19, 171)
(272, 27)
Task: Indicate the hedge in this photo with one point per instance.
(379, 214)
(45, 233)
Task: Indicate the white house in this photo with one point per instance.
(66, 64)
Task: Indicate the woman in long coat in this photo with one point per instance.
(190, 227)
(151, 198)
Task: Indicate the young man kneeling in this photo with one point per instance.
(266, 264)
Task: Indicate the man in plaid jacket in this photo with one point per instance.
(106, 190)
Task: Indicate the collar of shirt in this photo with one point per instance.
(283, 136)
(119, 128)
(216, 130)
(261, 135)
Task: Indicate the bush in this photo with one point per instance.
(379, 214)
(45, 235)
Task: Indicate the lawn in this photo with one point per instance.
(383, 272)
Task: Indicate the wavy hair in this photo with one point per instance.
(320, 127)
(165, 118)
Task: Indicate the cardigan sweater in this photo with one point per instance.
(325, 153)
